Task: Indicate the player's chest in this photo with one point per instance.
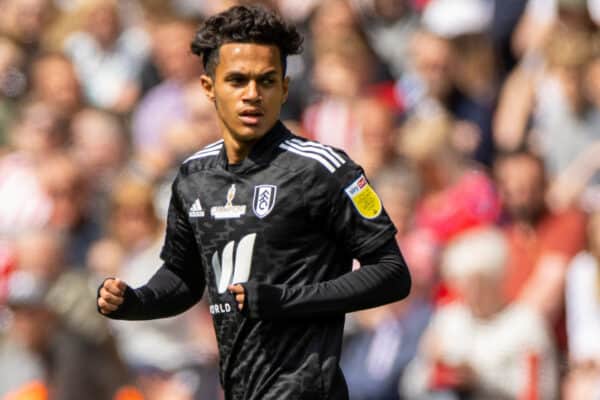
(217, 203)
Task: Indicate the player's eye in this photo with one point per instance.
(237, 80)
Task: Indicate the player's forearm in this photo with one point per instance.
(167, 293)
(383, 278)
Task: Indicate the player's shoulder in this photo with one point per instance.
(205, 158)
(302, 154)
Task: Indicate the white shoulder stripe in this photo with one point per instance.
(215, 148)
(314, 156)
(209, 147)
(204, 153)
(214, 144)
(305, 143)
(315, 150)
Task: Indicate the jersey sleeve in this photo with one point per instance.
(179, 249)
(382, 278)
(352, 210)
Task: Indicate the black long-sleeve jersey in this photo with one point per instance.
(285, 223)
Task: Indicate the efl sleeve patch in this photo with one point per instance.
(364, 198)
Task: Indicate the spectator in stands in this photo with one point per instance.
(427, 83)
(481, 347)
(165, 104)
(333, 19)
(99, 145)
(19, 362)
(456, 192)
(341, 74)
(375, 356)
(36, 134)
(67, 188)
(399, 187)
(388, 25)
(108, 56)
(541, 243)
(474, 98)
(54, 81)
(13, 83)
(578, 186)
(473, 80)
(182, 138)
(583, 317)
(25, 23)
(541, 17)
(544, 104)
(376, 135)
(42, 254)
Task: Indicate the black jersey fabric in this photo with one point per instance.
(282, 223)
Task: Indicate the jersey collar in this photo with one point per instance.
(261, 153)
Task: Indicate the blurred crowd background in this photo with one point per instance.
(478, 122)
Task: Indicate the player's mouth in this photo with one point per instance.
(251, 116)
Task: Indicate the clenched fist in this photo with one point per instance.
(111, 295)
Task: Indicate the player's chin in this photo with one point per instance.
(251, 133)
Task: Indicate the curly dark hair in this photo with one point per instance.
(244, 24)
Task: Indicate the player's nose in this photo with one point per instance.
(252, 92)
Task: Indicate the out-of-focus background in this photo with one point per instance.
(478, 122)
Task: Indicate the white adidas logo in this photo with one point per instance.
(196, 210)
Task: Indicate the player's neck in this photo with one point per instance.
(238, 147)
(236, 150)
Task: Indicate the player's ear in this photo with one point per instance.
(208, 86)
(286, 85)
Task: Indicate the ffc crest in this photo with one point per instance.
(264, 200)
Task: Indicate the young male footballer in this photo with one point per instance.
(269, 224)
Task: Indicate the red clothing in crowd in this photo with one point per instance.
(562, 233)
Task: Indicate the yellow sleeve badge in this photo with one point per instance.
(364, 198)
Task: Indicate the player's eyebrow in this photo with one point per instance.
(244, 75)
(236, 74)
(268, 74)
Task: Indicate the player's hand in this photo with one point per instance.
(239, 293)
(111, 295)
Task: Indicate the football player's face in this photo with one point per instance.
(248, 90)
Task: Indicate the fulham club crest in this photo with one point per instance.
(264, 200)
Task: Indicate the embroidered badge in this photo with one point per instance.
(264, 200)
(364, 198)
(229, 210)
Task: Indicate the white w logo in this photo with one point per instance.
(225, 272)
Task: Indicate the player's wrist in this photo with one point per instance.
(262, 300)
(130, 297)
